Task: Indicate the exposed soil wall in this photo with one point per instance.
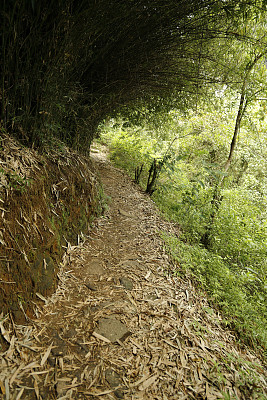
(46, 201)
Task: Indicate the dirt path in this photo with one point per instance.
(121, 325)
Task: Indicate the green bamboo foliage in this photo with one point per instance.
(31, 41)
(67, 64)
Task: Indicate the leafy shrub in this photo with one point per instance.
(233, 271)
(244, 308)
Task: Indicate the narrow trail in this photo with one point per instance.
(121, 325)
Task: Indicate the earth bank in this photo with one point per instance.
(46, 202)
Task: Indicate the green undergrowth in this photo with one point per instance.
(243, 309)
(232, 270)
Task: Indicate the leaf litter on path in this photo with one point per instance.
(174, 347)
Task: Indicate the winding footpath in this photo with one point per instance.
(122, 324)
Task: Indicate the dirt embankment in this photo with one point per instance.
(46, 201)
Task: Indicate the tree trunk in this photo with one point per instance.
(137, 173)
(241, 110)
(152, 177)
(217, 197)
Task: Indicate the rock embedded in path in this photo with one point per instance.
(61, 388)
(130, 263)
(90, 286)
(60, 349)
(94, 267)
(126, 283)
(70, 333)
(114, 380)
(112, 329)
(119, 394)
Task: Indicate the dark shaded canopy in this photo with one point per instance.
(85, 59)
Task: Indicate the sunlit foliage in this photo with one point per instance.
(233, 270)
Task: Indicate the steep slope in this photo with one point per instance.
(122, 325)
(46, 200)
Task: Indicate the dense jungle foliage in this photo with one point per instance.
(181, 88)
(190, 149)
(67, 64)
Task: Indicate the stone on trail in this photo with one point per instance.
(112, 377)
(61, 388)
(90, 286)
(112, 329)
(126, 283)
(129, 263)
(114, 380)
(94, 267)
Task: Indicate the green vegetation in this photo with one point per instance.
(66, 65)
(192, 149)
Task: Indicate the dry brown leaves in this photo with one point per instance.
(16, 160)
(177, 348)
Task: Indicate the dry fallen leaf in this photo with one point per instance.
(46, 355)
(148, 382)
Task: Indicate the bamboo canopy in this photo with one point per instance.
(66, 65)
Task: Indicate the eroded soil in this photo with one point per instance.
(121, 324)
(46, 200)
